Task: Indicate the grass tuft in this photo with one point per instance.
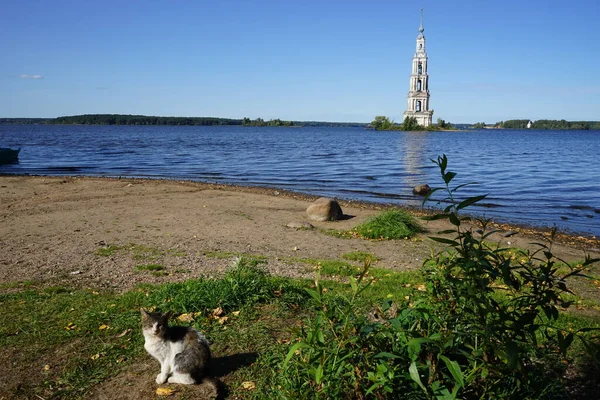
(394, 224)
(150, 267)
(359, 256)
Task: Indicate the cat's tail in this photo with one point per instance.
(211, 388)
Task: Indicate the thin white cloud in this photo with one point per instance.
(25, 76)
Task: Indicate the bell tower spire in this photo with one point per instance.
(418, 94)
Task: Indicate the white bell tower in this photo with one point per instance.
(418, 94)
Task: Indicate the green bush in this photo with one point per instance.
(394, 224)
(485, 327)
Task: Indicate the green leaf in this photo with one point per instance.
(448, 176)
(315, 295)
(320, 337)
(290, 354)
(414, 346)
(414, 375)
(471, 200)
(435, 217)
(443, 162)
(353, 284)
(428, 195)
(463, 185)
(454, 369)
(445, 241)
(454, 220)
(319, 374)
(387, 355)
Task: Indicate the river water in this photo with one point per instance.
(538, 178)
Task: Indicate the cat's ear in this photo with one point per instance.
(144, 313)
(167, 315)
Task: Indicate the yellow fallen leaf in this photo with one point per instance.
(248, 385)
(235, 313)
(46, 367)
(103, 327)
(185, 318)
(163, 391)
(96, 293)
(222, 320)
(95, 356)
(217, 312)
(70, 326)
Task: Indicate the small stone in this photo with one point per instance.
(76, 272)
(300, 225)
(421, 190)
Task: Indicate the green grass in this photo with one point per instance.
(359, 256)
(393, 224)
(97, 332)
(150, 267)
(138, 252)
(386, 283)
(108, 251)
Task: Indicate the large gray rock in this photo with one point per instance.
(324, 209)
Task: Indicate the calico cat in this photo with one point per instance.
(183, 352)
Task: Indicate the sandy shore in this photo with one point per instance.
(95, 231)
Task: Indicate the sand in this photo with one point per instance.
(57, 230)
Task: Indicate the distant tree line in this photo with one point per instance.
(122, 119)
(24, 120)
(119, 119)
(548, 124)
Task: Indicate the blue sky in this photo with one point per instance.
(324, 60)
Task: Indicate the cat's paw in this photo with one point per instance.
(161, 378)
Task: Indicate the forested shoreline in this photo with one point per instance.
(125, 119)
(122, 119)
(548, 124)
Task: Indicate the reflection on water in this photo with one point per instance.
(532, 177)
(412, 153)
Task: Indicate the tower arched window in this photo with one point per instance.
(418, 105)
(420, 68)
(419, 85)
